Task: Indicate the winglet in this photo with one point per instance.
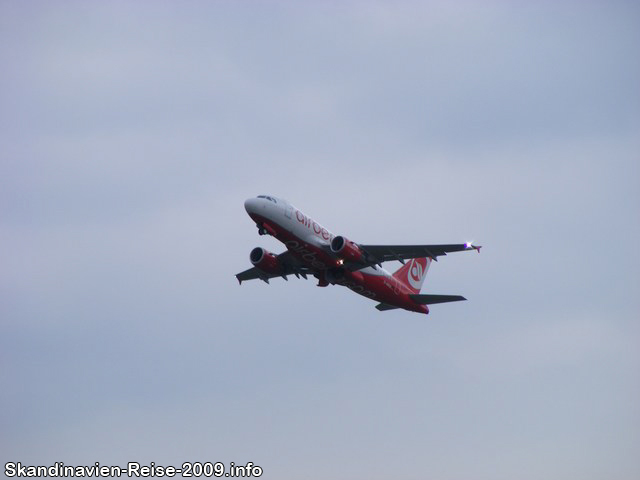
(469, 245)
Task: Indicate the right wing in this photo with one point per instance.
(289, 266)
(384, 253)
(376, 254)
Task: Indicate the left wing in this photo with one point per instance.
(288, 263)
(384, 253)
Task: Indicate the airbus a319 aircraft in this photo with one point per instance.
(336, 260)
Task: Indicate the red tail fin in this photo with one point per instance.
(412, 273)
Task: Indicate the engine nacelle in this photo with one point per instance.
(346, 249)
(265, 260)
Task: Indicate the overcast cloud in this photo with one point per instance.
(132, 132)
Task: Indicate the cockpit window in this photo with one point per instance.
(266, 197)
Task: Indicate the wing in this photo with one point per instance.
(384, 253)
(289, 266)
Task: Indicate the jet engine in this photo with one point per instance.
(264, 260)
(346, 249)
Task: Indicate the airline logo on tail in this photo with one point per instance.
(416, 273)
(413, 273)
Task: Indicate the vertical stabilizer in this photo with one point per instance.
(413, 272)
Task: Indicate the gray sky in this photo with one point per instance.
(131, 133)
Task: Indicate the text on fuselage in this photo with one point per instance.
(318, 230)
(305, 253)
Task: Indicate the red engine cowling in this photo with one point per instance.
(346, 249)
(264, 260)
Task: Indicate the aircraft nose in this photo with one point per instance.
(251, 205)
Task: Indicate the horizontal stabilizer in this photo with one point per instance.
(385, 306)
(433, 299)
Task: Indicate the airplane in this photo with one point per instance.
(336, 260)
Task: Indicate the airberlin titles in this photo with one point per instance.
(319, 230)
(309, 255)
